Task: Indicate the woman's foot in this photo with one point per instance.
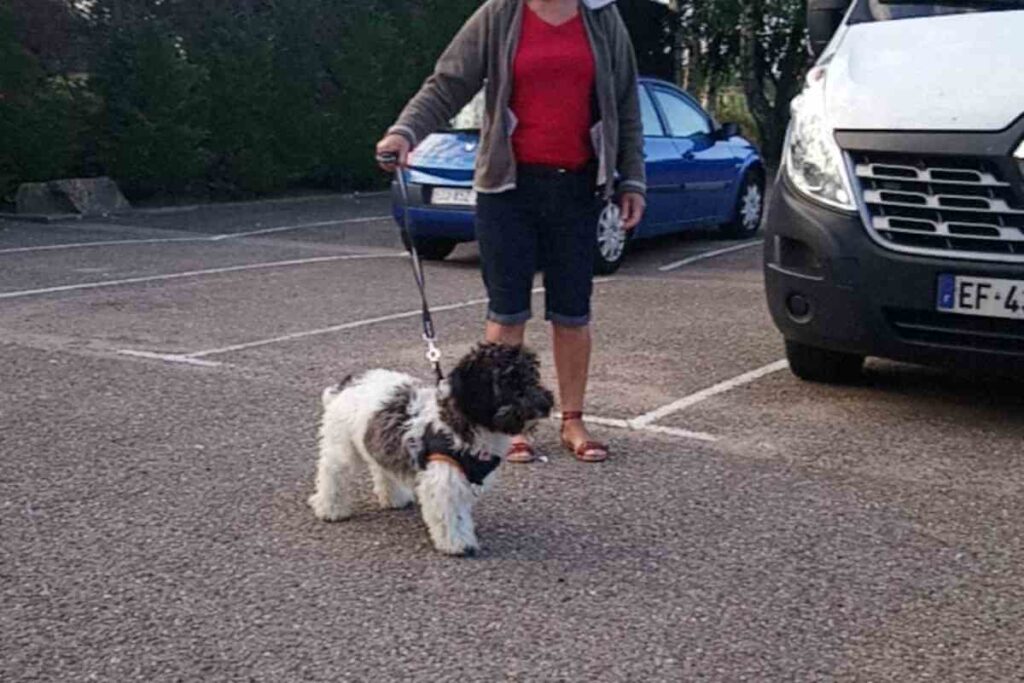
(521, 451)
(576, 438)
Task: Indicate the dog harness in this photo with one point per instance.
(473, 468)
(440, 448)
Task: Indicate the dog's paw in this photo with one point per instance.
(457, 547)
(326, 511)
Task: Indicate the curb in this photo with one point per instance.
(157, 210)
(184, 208)
(41, 217)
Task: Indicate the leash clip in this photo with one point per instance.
(433, 353)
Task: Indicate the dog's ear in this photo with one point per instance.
(454, 382)
(472, 390)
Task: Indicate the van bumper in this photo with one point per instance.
(830, 286)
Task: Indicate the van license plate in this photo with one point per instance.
(983, 296)
(453, 196)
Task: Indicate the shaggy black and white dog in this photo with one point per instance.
(438, 446)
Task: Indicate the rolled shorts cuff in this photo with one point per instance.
(509, 319)
(567, 320)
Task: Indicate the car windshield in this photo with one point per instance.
(885, 10)
(472, 115)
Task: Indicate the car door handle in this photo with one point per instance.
(688, 156)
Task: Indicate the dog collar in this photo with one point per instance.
(474, 469)
(445, 458)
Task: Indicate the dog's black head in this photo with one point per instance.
(498, 387)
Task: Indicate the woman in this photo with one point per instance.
(561, 135)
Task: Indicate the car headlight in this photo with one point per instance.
(813, 160)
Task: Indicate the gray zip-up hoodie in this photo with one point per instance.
(481, 55)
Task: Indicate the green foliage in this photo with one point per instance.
(731, 106)
(40, 115)
(758, 45)
(242, 97)
(150, 117)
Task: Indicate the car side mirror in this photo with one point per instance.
(727, 130)
(823, 18)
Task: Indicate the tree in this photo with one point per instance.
(42, 102)
(774, 58)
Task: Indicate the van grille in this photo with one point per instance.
(958, 331)
(945, 206)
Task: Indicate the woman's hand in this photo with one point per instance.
(632, 205)
(396, 145)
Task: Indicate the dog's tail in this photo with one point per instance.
(335, 389)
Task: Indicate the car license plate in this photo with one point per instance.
(453, 196)
(983, 296)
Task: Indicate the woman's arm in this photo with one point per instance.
(630, 164)
(458, 76)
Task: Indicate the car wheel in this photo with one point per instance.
(823, 365)
(612, 240)
(431, 248)
(749, 207)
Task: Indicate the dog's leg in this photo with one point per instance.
(446, 501)
(390, 492)
(336, 475)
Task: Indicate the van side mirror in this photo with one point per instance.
(823, 18)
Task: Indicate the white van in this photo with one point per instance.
(896, 228)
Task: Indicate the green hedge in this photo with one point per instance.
(228, 98)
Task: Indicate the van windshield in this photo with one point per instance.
(885, 10)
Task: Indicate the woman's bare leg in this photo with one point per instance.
(572, 362)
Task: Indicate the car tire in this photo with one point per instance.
(431, 248)
(612, 241)
(825, 366)
(749, 210)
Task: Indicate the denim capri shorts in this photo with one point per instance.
(548, 223)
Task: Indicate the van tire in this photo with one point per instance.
(814, 364)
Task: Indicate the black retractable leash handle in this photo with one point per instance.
(429, 336)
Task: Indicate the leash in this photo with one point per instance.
(429, 335)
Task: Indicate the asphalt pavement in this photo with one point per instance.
(160, 391)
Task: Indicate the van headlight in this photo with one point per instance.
(812, 159)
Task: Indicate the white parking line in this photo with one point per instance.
(333, 328)
(195, 273)
(648, 419)
(299, 226)
(327, 330)
(169, 358)
(708, 254)
(604, 421)
(100, 243)
(683, 433)
(204, 238)
(617, 423)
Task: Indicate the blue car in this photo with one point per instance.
(698, 174)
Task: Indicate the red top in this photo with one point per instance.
(553, 74)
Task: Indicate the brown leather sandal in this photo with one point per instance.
(521, 453)
(588, 451)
